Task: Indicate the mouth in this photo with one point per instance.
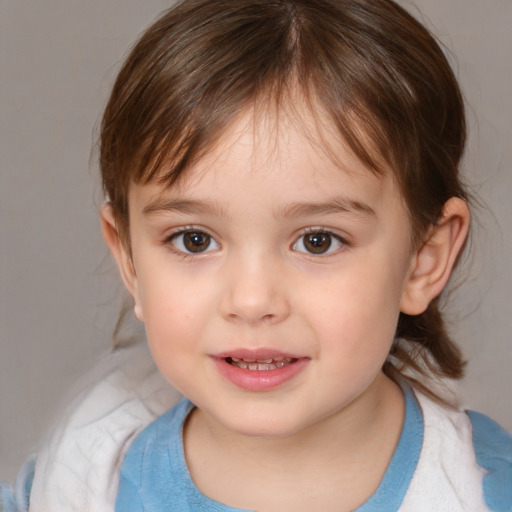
(259, 370)
(251, 364)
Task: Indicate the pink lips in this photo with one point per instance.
(236, 366)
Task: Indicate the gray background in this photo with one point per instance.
(59, 291)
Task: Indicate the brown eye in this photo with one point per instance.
(318, 243)
(193, 242)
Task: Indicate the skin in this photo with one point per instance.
(322, 439)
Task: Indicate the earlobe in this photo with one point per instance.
(121, 255)
(433, 262)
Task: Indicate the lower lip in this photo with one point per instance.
(260, 380)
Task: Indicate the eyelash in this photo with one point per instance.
(183, 252)
(171, 241)
(343, 243)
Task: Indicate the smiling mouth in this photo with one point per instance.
(273, 363)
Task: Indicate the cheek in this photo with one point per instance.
(356, 311)
(169, 291)
(174, 312)
(171, 313)
(174, 324)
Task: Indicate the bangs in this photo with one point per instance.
(373, 69)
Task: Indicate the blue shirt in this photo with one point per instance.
(155, 477)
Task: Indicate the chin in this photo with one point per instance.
(268, 426)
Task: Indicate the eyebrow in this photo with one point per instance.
(183, 206)
(336, 205)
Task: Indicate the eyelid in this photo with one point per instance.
(182, 230)
(344, 243)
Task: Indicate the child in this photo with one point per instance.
(285, 207)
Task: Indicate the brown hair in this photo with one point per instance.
(378, 73)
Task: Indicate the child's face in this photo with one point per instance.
(271, 255)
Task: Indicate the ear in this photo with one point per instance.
(122, 256)
(433, 262)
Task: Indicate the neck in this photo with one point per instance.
(347, 453)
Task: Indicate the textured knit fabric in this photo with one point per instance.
(77, 468)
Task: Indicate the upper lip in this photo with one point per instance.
(258, 354)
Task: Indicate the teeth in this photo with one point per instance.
(260, 364)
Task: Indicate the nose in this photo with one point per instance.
(255, 292)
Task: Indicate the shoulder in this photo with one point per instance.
(154, 471)
(493, 451)
(17, 499)
(156, 444)
(451, 474)
(78, 466)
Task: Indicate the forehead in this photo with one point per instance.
(266, 138)
(287, 157)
